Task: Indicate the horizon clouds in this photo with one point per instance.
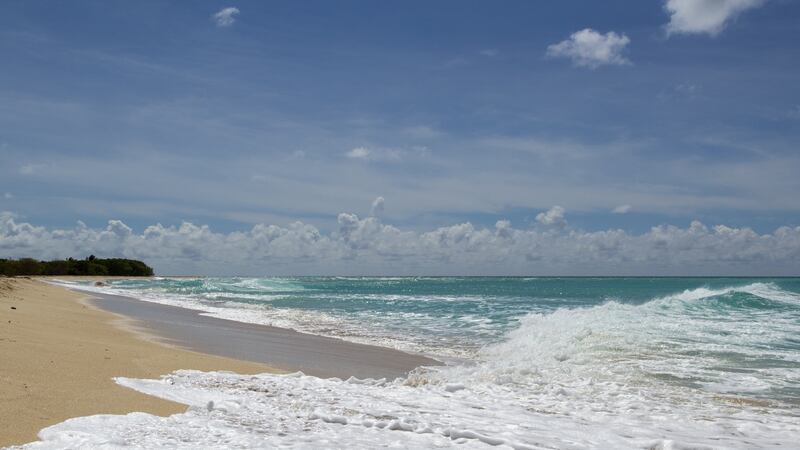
(367, 246)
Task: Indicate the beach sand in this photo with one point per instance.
(59, 354)
(276, 347)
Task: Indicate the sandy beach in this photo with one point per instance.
(280, 348)
(60, 355)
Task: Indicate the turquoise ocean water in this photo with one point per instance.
(532, 363)
(742, 326)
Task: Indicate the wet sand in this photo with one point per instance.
(276, 347)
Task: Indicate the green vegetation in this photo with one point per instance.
(89, 266)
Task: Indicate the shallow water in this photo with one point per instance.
(553, 363)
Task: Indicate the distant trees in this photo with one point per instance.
(89, 266)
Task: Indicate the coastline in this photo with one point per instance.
(60, 354)
(548, 384)
(280, 348)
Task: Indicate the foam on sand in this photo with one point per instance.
(235, 411)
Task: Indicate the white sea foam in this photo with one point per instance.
(763, 290)
(296, 411)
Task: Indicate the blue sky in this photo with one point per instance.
(276, 112)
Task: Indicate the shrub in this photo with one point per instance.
(89, 266)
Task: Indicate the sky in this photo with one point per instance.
(448, 137)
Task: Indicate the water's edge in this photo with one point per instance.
(277, 347)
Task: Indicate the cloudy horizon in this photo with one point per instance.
(367, 246)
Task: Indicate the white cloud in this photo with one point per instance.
(588, 48)
(383, 154)
(490, 52)
(705, 16)
(367, 246)
(358, 153)
(225, 16)
(621, 209)
(504, 229)
(554, 216)
(8, 196)
(377, 208)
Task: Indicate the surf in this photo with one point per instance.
(713, 366)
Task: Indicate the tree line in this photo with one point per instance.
(89, 266)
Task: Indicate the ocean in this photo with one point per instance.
(662, 363)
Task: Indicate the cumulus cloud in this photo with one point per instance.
(359, 153)
(621, 209)
(377, 208)
(390, 155)
(367, 246)
(8, 195)
(588, 48)
(225, 17)
(705, 16)
(553, 217)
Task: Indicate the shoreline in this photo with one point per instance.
(280, 348)
(60, 354)
(62, 348)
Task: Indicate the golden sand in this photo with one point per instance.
(58, 355)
